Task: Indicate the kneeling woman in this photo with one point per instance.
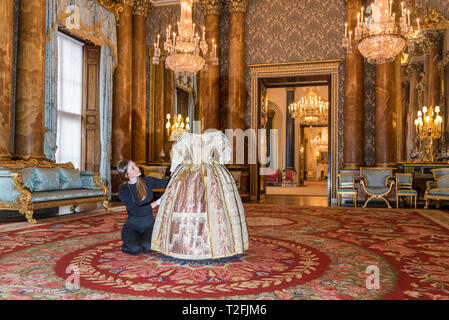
(136, 193)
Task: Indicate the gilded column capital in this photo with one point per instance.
(431, 41)
(142, 7)
(237, 5)
(210, 7)
(126, 2)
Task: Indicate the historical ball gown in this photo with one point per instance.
(201, 214)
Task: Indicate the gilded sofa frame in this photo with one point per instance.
(363, 183)
(24, 202)
(430, 185)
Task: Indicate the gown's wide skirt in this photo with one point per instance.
(201, 214)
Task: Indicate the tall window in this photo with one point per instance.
(70, 90)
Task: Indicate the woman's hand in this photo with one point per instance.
(154, 204)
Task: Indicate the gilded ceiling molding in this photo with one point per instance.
(434, 20)
(210, 7)
(114, 6)
(237, 5)
(142, 7)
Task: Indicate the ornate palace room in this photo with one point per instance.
(224, 150)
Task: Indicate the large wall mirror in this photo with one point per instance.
(425, 88)
(186, 97)
(169, 94)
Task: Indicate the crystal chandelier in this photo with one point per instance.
(321, 140)
(185, 48)
(381, 36)
(310, 110)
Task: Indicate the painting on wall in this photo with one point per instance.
(323, 157)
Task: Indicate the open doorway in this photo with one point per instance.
(271, 112)
(303, 143)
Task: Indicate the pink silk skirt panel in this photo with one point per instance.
(200, 215)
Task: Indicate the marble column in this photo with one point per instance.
(446, 89)
(122, 95)
(6, 76)
(353, 97)
(139, 83)
(210, 79)
(236, 86)
(30, 92)
(386, 132)
(400, 111)
(249, 181)
(432, 50)
(412, 71)
(289, 132)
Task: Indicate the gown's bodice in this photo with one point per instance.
(199, 148)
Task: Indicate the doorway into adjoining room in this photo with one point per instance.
(297, 101)
(299, 112)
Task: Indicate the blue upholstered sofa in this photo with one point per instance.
(27, 186)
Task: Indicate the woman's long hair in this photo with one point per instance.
(122, 170)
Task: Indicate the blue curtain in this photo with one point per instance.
(91, 14)
(106, 89)
(51, 79)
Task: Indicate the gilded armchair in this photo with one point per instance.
(377, 183)
(438, 189)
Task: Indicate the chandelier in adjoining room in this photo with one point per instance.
(310, 109)
(186, 53)
(321, 140)
(381, 36)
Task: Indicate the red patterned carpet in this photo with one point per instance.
(295, 253)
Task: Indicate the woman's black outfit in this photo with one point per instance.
(138, 228)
